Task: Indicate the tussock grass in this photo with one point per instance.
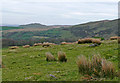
(97, 41)
(108, 70)
(89, 40)
(114, 38)
(63, 43)
(13, 47)
(49, 57)
(67, 43)
(85, 40)
(46, 44)
(98, 67)
(26, 46)
(84, 65)
(35, 44)
(62, 56)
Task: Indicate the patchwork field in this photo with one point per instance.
(29, 64)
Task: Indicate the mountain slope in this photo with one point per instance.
(104, 28)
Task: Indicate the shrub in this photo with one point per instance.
(62, 56)
(49, 57)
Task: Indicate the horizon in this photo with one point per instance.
(76, 12)
(53, 25)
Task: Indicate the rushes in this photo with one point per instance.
(98, 67)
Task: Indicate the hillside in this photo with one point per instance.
(9, 27)
(105, 29)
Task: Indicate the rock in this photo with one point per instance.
(93, 45)
(52, 76)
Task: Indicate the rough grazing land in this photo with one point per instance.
(29, 64)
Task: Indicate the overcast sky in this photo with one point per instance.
(58, 12)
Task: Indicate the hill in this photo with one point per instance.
(34, 25)
(105, 29)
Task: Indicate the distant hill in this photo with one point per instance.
(38, 25)
(34, 25)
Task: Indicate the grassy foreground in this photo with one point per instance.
(29, 64)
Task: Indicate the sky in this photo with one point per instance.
(57, 12)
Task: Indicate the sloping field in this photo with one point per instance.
(29, 64)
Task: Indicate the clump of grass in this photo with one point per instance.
(62, 56)
(26, 46)
(89, 40)
(49, 57)
(97, 41)
(96, 63)
(63, 43)
(98, 67)
(85, 40)
(84, 65)
(114, 38)
(13, 47)
(108, 70)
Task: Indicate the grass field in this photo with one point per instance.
(29, 64)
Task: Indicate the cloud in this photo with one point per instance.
(57, 12)
(91, 14)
